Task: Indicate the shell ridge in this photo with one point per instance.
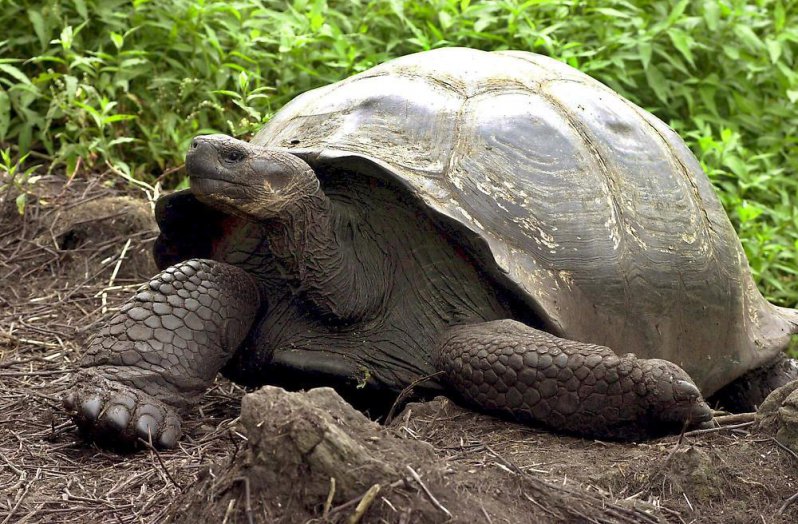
(612, 189)
(695, 193)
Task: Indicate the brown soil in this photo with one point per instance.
(67, 265)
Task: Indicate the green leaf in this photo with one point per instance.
(656, 80)
(731, 52)
(71, 84)
(117, 118)
(792, 95)
(445, 19)
(682, 41)
(712, 14)
(644, 48)
(482, 23)
(121, 140)
(66, 38)
(37, 22)
(16, 73)
(226, 92)
(612, 13)
(5, 113)
(748, 37)
(80, 7)
(707, 94)
(748, 212)
(118, 40)
(677, 12)
(21, 200)
(737, 166)
(774, 49)
(779, 17)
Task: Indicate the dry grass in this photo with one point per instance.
(61, 273)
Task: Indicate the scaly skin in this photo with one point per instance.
(509, 368)
(159, 354)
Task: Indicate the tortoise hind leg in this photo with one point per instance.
(508, 368)
(160, 352)
(747, 393)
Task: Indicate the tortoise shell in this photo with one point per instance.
(589, 208)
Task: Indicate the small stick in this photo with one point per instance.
(405, 393)
(229, 511)
(715, 430)
(328, 502)
(787, 503)
(679, 441)
(785, 448)
(350, 503)
(428, 492)
(113, 276)
(734, 419)
(364, 504)
(248, 498)
(160, 461)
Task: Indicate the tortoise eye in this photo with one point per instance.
(232, 156)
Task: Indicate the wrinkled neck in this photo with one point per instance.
(332, 270)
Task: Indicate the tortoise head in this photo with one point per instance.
(247, 180)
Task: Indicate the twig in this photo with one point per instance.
(350, 503)
(247, 499)
(724, 420)
(785, 448)
(328, 502)
(22, 497)
(787, 503)
(679, 441)
(715, 430)
(364, 504)
(406, 393)
(160, 461)
(113, 276)
(428, 492)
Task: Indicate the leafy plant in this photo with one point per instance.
(125, 84)
(15, 180)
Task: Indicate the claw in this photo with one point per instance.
(117, 417)
(70, 400)
(684, 390)
(146, 427)
(91, 408)
(169, 437)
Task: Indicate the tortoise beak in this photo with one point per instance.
(202, 158)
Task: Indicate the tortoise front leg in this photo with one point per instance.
(508, 368)
(159, 354)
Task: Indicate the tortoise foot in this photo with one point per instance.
(532, 376)
(117, 415)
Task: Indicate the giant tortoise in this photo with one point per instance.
(496, 226)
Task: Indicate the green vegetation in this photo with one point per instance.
(125, 84)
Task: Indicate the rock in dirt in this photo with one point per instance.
(691, 471)
(778, 415)
(308, 438)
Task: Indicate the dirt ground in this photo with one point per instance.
(79, 252)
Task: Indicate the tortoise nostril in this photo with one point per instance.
(194, 143)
